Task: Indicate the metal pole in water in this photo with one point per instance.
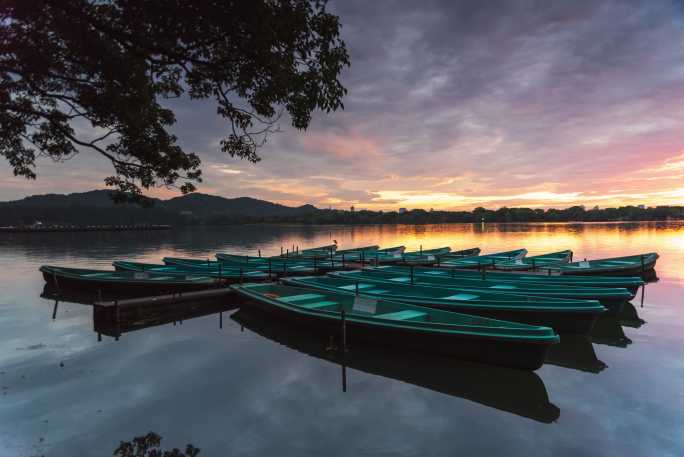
(54, 310)
(269, 268)
(344, 330)
(356, 290)
(344, 376)
(221, 319)
(643, 290)
(259, 252)
(411, 274)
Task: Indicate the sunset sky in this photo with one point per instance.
(454, 105)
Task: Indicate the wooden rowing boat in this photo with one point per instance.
(611, 298)
(221, 270)
(276, 267)
(128, 282)
(525, 394)
(481, 261)
(630, 283)
(640, 264)
(398, 324)
(536, 262)
(563, 315)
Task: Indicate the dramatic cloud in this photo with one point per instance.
(461, 104)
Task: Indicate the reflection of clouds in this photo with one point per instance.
(234, 393)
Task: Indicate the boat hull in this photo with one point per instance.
(501, 352)
(128, 288)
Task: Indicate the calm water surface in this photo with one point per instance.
(237, 385)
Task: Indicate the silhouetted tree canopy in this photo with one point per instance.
(80, 75)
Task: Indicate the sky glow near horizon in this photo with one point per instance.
(454, 105)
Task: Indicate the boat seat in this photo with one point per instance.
(318, 304)
(300, 297)
(405, 315)
(461, 296)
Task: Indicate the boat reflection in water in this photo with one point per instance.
(629, 317)
(515, 391)
(106, 321)
(575, 352)
(608, 330)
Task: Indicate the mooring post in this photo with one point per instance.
(344, 330)
(259, 252)
(54, 310)
(549, 270)
(99, 336)
(643, 289)
(344, 376)
(269, 268)
(240, 275)
(281, 251)
(411, 274)
(356, 290)
(221, 319)
(343, 260)
(643, 269)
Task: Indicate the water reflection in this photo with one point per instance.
(608, 330)
(515, 391)
(575, 352)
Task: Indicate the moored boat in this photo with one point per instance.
(563, 315)
(221, 270)
(525, 393)
(631, 283)
(126, 282)
(640, 264)
(398, 324)
(481, 261)
(612, 298)
(536, 261)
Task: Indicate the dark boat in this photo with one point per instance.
(631, 283)
(641, 264)
(127, 282)
(111, 322)
(411, 327)
(563, 315)
(612, 298)
(515, 391)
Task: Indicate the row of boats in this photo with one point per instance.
(462, 304)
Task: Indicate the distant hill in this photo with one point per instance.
(96, 207)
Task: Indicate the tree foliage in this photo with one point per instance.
(79, 75)
(149, 446)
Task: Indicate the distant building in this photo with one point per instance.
(402, 210)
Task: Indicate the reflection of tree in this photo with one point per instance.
(150, 446)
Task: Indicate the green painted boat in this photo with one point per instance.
(126, 282)
(611, 298)
(536, 262)
(223, 271)
(398, 324)
(641, 264)
(563, 315)
(481, 261)
(424, 256)
(630, 283)
(279, 267)
(525, 394)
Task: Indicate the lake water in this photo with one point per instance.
(236, 385)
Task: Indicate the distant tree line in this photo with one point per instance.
(131, 214)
